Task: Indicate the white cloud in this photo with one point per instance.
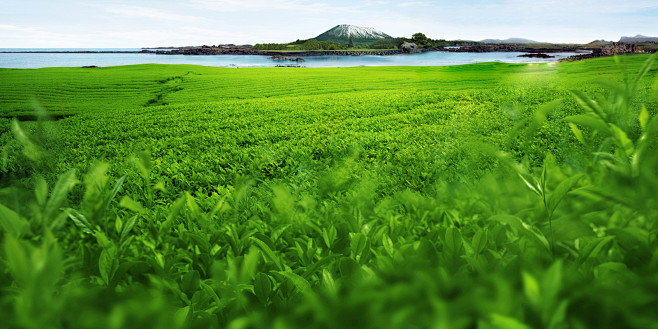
(257, 5)
(146, 12)
(22, 36)
(414, 4)
(575, 8)
(290, 6)
(17, 28)
(130, 23)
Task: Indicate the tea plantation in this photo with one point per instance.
(478, 196)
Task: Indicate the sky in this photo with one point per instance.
(153, 23)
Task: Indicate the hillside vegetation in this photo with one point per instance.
(479, 196)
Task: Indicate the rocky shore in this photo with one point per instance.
(145, 51)
(536, 55)
(618, 48)
(285, 59)
(589, 51)
(275, 54)
(512, 48)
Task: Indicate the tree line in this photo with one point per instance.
(419, 39)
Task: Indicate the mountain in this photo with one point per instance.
(510, 40)
(359, 35)
(638, 38)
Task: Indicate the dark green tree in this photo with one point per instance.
(420, 39)
(351, 44)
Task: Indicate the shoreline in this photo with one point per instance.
(304, 53)
(579, 53)
(78, 52)
(584, 51)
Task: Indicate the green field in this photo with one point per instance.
(477, 196)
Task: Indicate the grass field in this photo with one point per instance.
(478, 196)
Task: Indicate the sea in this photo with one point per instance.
(39, 60)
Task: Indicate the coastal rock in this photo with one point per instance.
(293, 55)
(488, 48)
(289, 65)
(620, 48)
(284, 58)
(536, 55)
(409, 47)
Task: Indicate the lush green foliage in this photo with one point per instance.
(423, 41)
(450, 197)
(310, 44)
(386, 44)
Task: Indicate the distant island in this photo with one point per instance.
(638, 38)
(509, 40)
(351, 40)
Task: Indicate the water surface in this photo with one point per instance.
(38, 60)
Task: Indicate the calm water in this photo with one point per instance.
(36, 60)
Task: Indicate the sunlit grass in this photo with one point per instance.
(479, 196)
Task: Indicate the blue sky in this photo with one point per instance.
(148, 23)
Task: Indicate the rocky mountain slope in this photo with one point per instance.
(359, 35)
(638, 38)
(510, 40)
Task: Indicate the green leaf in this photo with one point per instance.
(115, 190)
(479, 241)
(108, 264)
(211, 292)
(317, 265)
(631, 238)
(118, 224)
(590, 121)
(645, 68)
(300, 283)
(643, 117)
(268, 254)
(536, 235)
(190, 281)
(128, 203)
(12, 223)
(17, 258)
(561, 191)
(531, 182)
(593, 248)
(41, 191)
(388, 245)
(613, 273)
(128, 227)
(80, 221)
(200, 240)
(328, 282)
(143, 162)
(588, 103)
(622, 140)
(30, 150)
(551, 283)
(262, 287)
(64, 184)
(360, 247)
(513, 221)
(173, 212)
(160, 187)
(182, 317)
(329, 236)
(576, 132)
(453, 240)
(499, 321)
(531, 288)
(558, 316)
